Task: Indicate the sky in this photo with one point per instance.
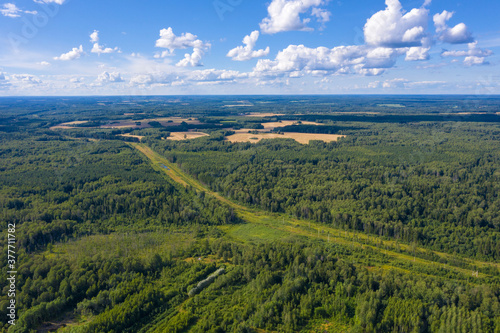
(238, 47)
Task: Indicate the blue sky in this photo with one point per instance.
(127, 47)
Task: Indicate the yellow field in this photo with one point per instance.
(303, 138)
(132, 136)
(179, 136)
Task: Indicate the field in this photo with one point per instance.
(179, 136)
(303, 138)
(140, 137)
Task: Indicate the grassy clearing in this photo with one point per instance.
(137, 245)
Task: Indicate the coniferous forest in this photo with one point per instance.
(392, 227)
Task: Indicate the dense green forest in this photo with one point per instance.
(432, 183)
(394, 228)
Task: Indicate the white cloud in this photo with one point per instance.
(76, 80)
(322, 15)
(106, 77)
(418, 53)
(168, 40)
(4, 83)
(473, 60)
(242, 53)
(25, 79)
(284, 15)
(394, 28)
(154, 79)
(11, 10)
(459, 34)
(473, 56)
(94, 38)
(215, 75)
(339, 60)
(43, 63)
(59, 2)
(193, 59)
(75, 53)
(100, 49)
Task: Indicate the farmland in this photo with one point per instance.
(303, 138)
(177, 136)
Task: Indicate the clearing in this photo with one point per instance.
(179, 136)
(303, 138)
(263, 226)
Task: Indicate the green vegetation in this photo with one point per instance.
(394, 228)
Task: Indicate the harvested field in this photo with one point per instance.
(69, 125)
(179, 136)
(303, 138)
(132, 136)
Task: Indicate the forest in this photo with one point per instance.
(393, 228)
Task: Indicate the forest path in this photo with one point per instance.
(265, 226)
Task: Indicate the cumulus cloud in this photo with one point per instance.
(339, 60)
(75, 53)
(459, 34)
(473, 56)
(94, 38)
(43, 63)
(473, 60)
(284, 15)
(168, 40)
(11, 10)
(418, 53)
(106, 77)
(394, 28)
(247, 52)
